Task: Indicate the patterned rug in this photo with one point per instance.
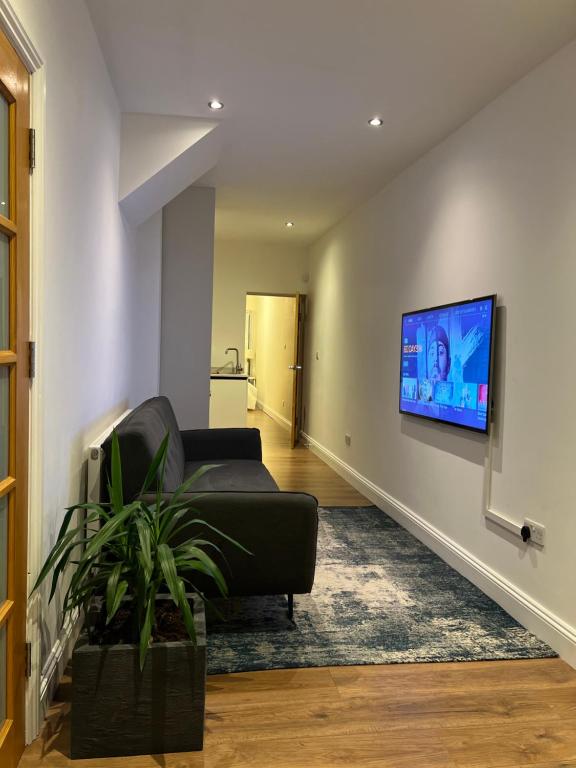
(380, 597)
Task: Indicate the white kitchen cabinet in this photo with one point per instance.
(228, 401)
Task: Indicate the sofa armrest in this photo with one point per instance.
(280, 529)
(230, 443)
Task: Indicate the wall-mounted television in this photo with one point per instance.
(446, 363)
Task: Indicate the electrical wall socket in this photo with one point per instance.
(537, 531)
(347, 438)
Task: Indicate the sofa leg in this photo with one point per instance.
(290, 607)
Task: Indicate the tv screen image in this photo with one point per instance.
(446, 362)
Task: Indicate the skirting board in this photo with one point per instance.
(560, 635)
(58, 658)
(278, 418)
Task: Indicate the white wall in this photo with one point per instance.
(147, 300)
(491, 209)
(187, 267)
(241, 267)
(90, 270)
(150, 142)
(162, 155)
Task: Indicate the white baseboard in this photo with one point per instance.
(560, 635)
(58, 658)
(278, 418)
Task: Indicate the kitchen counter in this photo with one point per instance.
(231, 376)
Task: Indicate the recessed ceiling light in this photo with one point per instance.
(289, 223)
(375, 122)
(215, 104)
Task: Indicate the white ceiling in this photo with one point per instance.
(300, 79)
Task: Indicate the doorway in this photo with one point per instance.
(274, 341)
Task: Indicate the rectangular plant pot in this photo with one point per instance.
(118, 710)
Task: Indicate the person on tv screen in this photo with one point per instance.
(438, 356)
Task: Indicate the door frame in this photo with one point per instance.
(16, 33)
(300, 299)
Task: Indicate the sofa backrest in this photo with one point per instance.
(140, 436)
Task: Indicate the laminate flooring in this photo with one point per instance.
(299, 469)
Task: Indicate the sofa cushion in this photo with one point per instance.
(140, 436)
(222, 443)
(232, 475)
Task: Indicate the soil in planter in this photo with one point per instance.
(169, 626)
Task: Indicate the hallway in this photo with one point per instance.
(299, 469)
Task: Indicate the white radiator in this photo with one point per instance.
(95, 460)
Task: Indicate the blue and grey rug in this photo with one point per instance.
(380, 597)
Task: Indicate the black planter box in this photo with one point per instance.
(118, 710)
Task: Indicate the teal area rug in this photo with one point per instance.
(380, 597)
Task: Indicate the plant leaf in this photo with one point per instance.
(189, 482)
(173, 512)
(186, 612)
(146, 628)
(60, 565)
(211, 569)
(152, 473)
(168, 566)
(195, 565)
(65, 522)
(57, 552)
(115, 487)
(117, 600)
(198, 543)
(111, 588)
(143, 529)
(161, 475)
(108, 530)
(199, 521)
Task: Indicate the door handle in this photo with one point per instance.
(295, 367)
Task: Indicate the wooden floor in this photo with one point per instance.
(300, 469)
(469, 715)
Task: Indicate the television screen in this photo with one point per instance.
(445, 368)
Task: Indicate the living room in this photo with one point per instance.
(466, 189)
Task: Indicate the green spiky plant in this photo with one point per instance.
(135, 551)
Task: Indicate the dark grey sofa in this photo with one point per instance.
(240, 497)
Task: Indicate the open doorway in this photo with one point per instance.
(274, 336)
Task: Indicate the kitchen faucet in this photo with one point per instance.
(238, 366)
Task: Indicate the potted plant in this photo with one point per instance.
(139, 667)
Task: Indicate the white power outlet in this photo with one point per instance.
(537, 531)
(347, 438)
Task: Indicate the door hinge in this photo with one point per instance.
(31, 359)
(32, 148)
(28, 659)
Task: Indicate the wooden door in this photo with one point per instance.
(297, 367)
(14, 392)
